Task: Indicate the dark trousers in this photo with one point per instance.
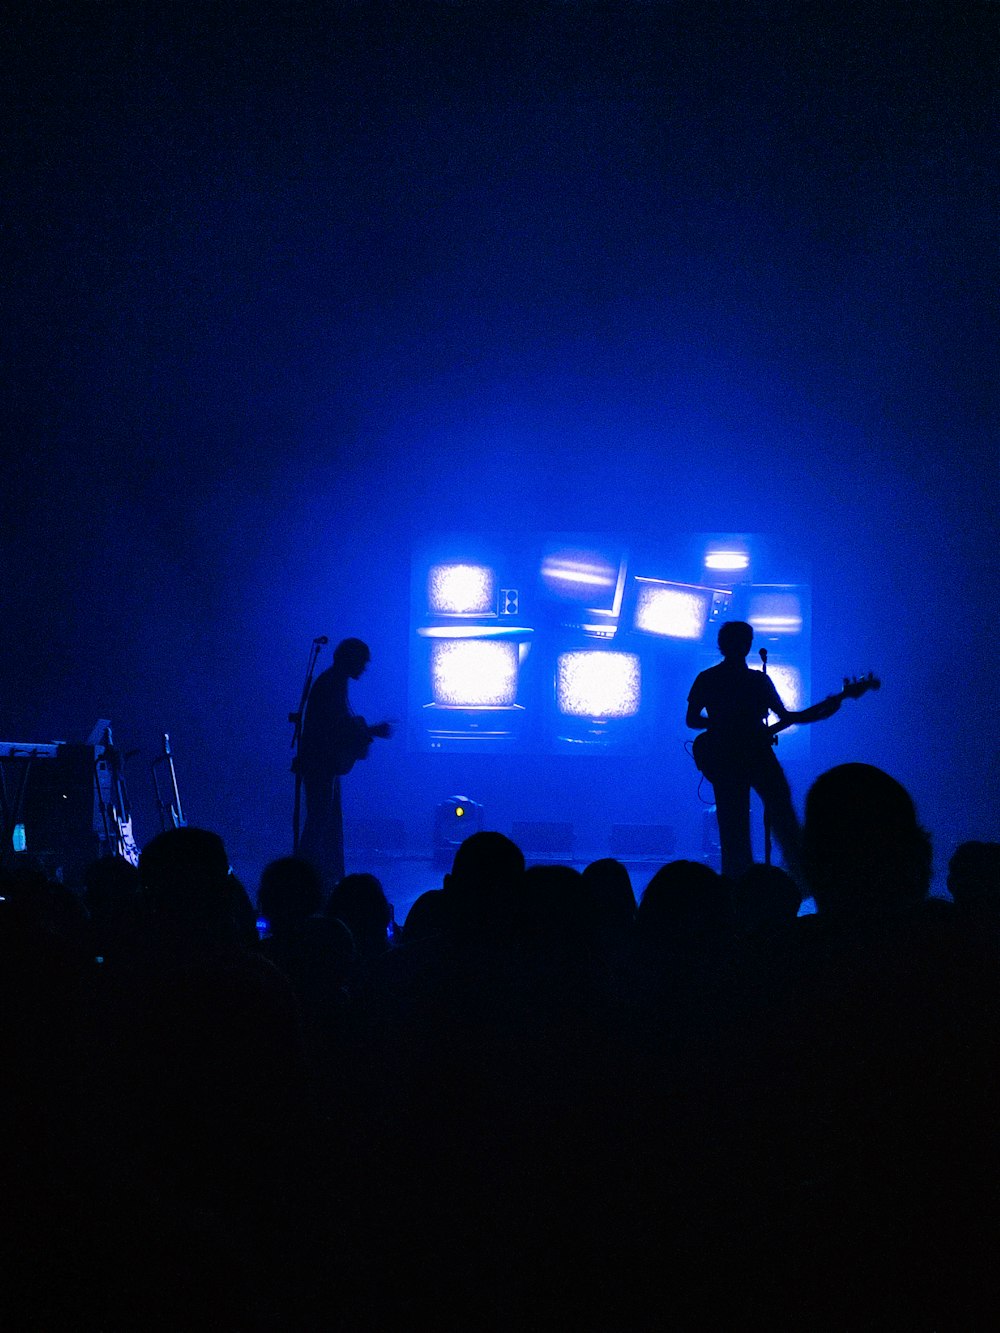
(763, 774)
(322, 840)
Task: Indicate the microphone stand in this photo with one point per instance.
(767, 811)
(296, 720)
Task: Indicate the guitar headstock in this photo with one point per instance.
(856, 686)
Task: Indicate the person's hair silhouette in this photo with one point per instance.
(864, 852)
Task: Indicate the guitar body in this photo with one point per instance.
(708, 755)
(353, 743)
(716, 758)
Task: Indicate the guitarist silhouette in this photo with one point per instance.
(333, 739)
(729, 703)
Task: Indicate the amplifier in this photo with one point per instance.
(58, 802)
(646, 841)
(544, 838)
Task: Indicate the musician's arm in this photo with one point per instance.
(789, 716)
(824, 709)
(695, 717)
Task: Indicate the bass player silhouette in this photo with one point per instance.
(729, 703)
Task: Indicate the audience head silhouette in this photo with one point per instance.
(685, 903)
(290, 892)
(428, 915)
(864, 852)
(184, 874)
(610, 889)
(485, 881)
(359, 901)
(765, 896)
(974, 875)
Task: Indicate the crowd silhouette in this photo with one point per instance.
(535, 1104)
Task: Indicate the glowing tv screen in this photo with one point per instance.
(474, 673)
(461, 590)
(598, 684)
(671, 610)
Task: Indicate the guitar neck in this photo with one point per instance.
(852, 690)
(777, 728)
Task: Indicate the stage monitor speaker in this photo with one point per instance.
(543, 838)
(377, 835)
(644, 841)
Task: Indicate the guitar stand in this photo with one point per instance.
(171, 814)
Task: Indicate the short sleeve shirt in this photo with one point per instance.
(736, 701)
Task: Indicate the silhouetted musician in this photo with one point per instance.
(729, 703)
(333, 739)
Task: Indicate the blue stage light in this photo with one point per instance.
(595, 684)
(729, 559)
(455, 819)
(461, 590)
(474, 673)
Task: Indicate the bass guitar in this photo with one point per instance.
(714, 755)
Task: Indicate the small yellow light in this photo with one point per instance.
(459, 811)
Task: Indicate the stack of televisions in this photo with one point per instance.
(589, 624)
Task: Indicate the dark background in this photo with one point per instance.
(288, 287)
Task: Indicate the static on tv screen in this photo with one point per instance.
(583, 643)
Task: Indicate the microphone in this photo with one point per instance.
(763, 655)
(321, 639)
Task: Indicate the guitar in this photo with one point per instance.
(353, 742)
(712, 755)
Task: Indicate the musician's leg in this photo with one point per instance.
(771, 785)
(318, 794)
(322, 840)
(732, 805)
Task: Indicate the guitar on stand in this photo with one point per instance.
(112, 795)
(169, 803)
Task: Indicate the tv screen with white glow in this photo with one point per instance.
(461, 590)
(598, 684)
(473, 673)
(671, 611)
